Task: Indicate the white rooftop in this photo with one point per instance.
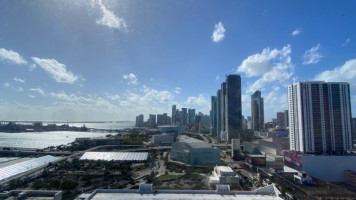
(224, 169)
(116, 156)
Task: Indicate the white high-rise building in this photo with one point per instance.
(319, 117)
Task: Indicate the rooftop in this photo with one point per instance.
(194, 143)
(222, 192)
(224, 169)
(116, 156)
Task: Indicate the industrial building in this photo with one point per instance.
(115, 156)
(223, 175)
(194, 152)
(146, 191)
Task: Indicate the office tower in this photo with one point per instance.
(152, 120)
(233, 113)
(183, 116)
(139, 120)
(286, 119)
(222, 108)
(257, 111)
(174, 108)
(165, 119)
(213, 115)
(319, 117)
(218, 113)
(354, 130)
(191, 116)
(169, 120)
(280, 120)
(249, 122)
(160, 120)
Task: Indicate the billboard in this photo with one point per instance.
(293, 160)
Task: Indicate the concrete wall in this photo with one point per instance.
(328, 168)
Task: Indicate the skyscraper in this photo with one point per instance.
(213, 115)
(233, 112)
(191, 116)
(257, 111)
(222, 108)
(286, 119)
(218, 113)
(319, 117)
(183, 116)
(174, 108)
(152, 120)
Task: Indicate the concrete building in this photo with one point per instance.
(31, 194)
(183, 116)
(194, 152)
(223, 175)
(286, 119)
(160, 120)
(146, 192)
(280, 120)
(152, 120)
(233, 108)
(222, 109)
(235, 148)
(170, 129)
(354, 130)
(319, 117)
(257, 111)
(162, 140)
(326, 167)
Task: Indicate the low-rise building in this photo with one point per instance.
(162, 140)
(302, 178)
(223, 175)
(194, 152)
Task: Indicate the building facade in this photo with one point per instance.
(319, 117)
(233, 110)
(257, 111)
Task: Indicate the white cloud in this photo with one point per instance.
(32, 96)
(56, 70)
(217, 77)
(11, 57)
(109, 19)
(19, 80)
(219, 32)
(19, 89)
(346, 42)
(113, 97)
(39, 90)
(132, 79)
(177, 90)
(296, 32)
(345, 73)
(312, 56)
(272, 65)
(32, 67)
(201, 103)
(6, 85)
(275, 101)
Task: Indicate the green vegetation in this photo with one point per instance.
(135, 138)
(168, 177)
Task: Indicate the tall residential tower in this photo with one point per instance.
(257, 111)
(319, 117)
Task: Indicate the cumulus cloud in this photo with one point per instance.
(109, 19)
(346, 42)
(296, 32)
(113, 97)
(270, 64)
(6, 85)
(19, 80)
(11, 57)
(177, 90)
(275, 101)
(344, 73)
(217, 77)
(200, 102)
(56, 70)
(39, 90)
(131, 78)
(219, 32)
(19, 89)
(312, 56)
(32, 96)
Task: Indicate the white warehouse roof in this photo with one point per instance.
(116, 156)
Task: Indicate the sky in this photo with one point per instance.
(112, 60)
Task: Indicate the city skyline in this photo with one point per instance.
(113, 60)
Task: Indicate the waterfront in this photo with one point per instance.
(43, 139)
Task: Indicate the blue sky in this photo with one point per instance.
(112, 60)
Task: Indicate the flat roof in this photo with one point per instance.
(194, 143)
(116, 156)
(224, 168)
(18, 168)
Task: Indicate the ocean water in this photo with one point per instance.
(100, 125)
(43, 139)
